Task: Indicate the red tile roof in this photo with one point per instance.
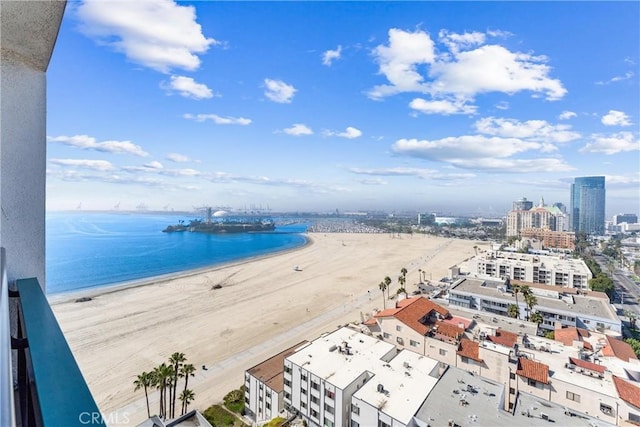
(566, 335)
(505, 338)
(627, 391)
(449, 330)
(271, 371)
(619, 349)
(412, 310)
(588, 345)
(460, 322)
(370, 322)
(470, 349)
(533, 370)
(587, 365)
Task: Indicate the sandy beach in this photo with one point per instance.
(263, 306)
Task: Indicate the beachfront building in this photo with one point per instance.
(540, 217)
(346, 378)
(568, 307)
(264, 387)
(557, 270)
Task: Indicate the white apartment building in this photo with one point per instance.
(346, 378)
(545, 269)
(264, 386)
(587, 310)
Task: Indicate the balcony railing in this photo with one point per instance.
(51, 390)
(7, 411)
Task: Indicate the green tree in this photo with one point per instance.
(176, 360)
(513, 311)
(144, 380)
(383, 287)
(387, 282)
(635, 345)
(187, 370)
(550, 335)
(163, 376)
(536, 317)
(402, 279)
(186, 397)
(602, 283)
(516, 291)
(529, 299)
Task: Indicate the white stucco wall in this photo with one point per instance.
(28, 33)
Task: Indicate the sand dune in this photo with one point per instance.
(263, 306)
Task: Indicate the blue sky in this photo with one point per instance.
(315, 106)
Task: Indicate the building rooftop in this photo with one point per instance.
(627, 391)
(533, 370)
(330, 359)
(576, 304)
(618, 348)
(271, 371)
(405, 381)
(467, 400)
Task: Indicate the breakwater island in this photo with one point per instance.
(224, 226)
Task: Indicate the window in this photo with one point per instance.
(512, 390)
(313, 413)
(268, 395)
(400, 341)
(329, 408)
(330, 394)
(246, 400)
(315, 385)
(464, 359)
(328, 423)
(386, 335)
(303, 405)
(303, 377)
(315, 400)
(287, 396)
(442, 352)
(354, 424)
(382, 424)
(512, 375)
(303, 390)
(413, 343)
(573, 396)
(287, 382)
(532, 383)
(606, 409)
(355, 409)
(287, 369)
(398, 328)
(268, 405)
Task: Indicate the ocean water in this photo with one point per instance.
(90, 250)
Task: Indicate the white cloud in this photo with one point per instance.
(457, 42)
(187, 172)
(612, 144)
(98, 165)
(158, 34)
(626, 76)
(481, 152)
(537, 130)
(329, 55)
(399, 61)
(615, 118)
(177, 158)
(442, 106)
(349, 133)
(188, 87)
(279, 91)
(398, 171)
(219, 120)
(298, 129)
(154, 165)
(86, 142)
(502, 105)
(566, 115)
(467, 69)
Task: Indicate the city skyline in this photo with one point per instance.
(311, 106)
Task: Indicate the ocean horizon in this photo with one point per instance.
(92, 250)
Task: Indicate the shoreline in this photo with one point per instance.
(262, 306)
(94, 292)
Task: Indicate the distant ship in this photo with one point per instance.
(227, 226)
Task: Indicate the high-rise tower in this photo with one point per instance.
(587, 205)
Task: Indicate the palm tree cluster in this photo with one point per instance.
(529, 299)
(402, 279)
(164, 378)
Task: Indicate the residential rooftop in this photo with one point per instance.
(271, 371)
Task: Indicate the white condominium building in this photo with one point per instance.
(545, 269)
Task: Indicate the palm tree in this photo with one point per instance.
(163, 375)
(420, 274)
(516, 290)
(475, 248)
(187, 370)
(401, 281)
(144, 380)
(513, 311)
(186, 397)
(536, 317)
(383, 287)
(176, 360)
(529, 299)
(387, 282)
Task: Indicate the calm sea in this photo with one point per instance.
(89, 250)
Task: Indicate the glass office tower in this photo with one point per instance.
(587, 205)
